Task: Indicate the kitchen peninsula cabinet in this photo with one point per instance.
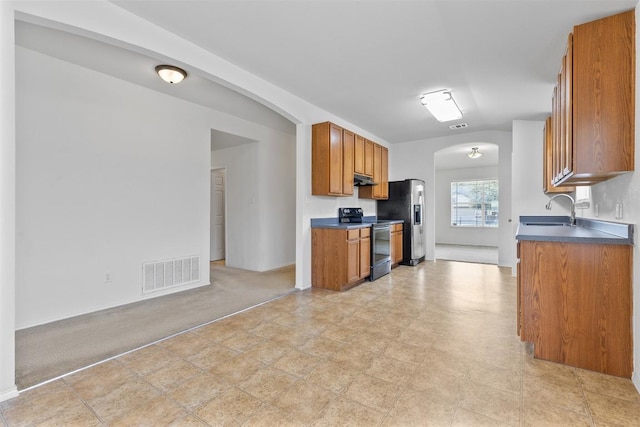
(340, 257)
(594, 103)
(332, 160)
(574, 303)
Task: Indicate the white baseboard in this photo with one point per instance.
(635, 378)
(9, 394)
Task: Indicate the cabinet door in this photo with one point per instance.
(547, 162)
(384, 173)
(365, 256)
(326, 160)
(555, 137)
(377, 171)
(353, 260)
(567, 110)
(348, 142)
(335, 160)
(562, 116)
(358, 155)
(368, 158)
(519, 313)
(396, 243)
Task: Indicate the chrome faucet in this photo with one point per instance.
(573, 207)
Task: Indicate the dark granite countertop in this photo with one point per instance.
(367, 221)
(557, 229)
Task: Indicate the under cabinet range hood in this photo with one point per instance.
(362, 180)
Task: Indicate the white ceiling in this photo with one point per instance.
(364, 61)
(455, 157)
(368, 61)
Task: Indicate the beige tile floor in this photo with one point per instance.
(432, 345)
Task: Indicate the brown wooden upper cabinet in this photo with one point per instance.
(338, 154)
(332, 160)
(593, 118)
(380, 175)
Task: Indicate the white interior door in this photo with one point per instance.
(217, 215)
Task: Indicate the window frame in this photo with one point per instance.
(484, 205)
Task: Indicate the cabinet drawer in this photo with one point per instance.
(396, 227)
(365, 232)
(353, 234)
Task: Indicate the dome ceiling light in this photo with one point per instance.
(171, 74)
(474, 154)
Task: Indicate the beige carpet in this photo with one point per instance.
(48, 351)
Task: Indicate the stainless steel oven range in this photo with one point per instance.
(380, 250)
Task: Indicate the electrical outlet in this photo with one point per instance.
(596, 210)
(618, 210)
(107, 277)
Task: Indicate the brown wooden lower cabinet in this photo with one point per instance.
(574, 304)
(340, 258)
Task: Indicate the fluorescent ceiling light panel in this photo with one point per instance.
(441, 105)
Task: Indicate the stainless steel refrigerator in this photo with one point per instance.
(406, 202)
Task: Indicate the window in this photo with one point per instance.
(474, 203)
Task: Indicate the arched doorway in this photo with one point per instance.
(467, 202)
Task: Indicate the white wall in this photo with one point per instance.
(445, 233)
(104, 186)
(277, 201)
(241, 191)
(107, 178)
(7, 203)
(416, 160)
(528, 195)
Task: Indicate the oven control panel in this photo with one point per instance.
(350, 215)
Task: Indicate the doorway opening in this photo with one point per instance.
(467, 203)
(217, 238)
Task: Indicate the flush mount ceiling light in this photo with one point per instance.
(474, 154)
(441, 105)
(171, 74)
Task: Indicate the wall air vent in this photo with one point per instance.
(458, 126)
(159, 275)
